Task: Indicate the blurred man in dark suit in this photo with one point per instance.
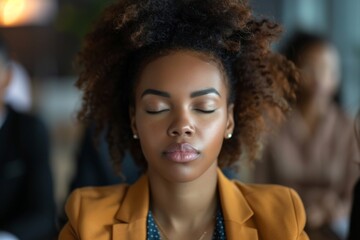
(27, 209)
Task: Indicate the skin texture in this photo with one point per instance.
(177, 116)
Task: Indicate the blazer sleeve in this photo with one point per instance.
(72, 209)
(300, 215)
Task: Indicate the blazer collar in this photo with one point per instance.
(133, 211)
(132, 214)
(236, 210)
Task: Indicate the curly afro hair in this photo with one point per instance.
(130, 33)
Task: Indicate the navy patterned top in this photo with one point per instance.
(154, 234)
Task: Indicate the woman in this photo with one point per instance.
(315, 152)
(183, 85)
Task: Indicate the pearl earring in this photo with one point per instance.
(135, 136)
(229, 135)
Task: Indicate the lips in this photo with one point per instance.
(181, 153)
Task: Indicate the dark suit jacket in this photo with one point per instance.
(94, 166)
(27, 206)
(354, 233)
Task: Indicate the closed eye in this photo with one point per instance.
(156, 112)
(205, 111)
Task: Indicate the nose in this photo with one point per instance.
(181, 125)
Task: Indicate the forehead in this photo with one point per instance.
(184, 70)
(321, 58)
(318, 51)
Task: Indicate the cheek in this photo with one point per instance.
(151, 133)
(212, 132)
(214, 128)
(150, 126)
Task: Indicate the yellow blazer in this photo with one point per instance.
(250, 211)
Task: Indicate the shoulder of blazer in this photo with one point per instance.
(275, 206)
(104, 211)
(91, 197)
(253, 188)
(98, 204)
(270, 195)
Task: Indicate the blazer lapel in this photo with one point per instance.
(236, 231)
(129, 231)
(236, 211)
(132, 214)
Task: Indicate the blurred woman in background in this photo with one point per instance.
(315, 152)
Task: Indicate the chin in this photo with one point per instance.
(183, 173)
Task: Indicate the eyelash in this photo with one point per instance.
(205, 111)
(165, 110)
(156, 112)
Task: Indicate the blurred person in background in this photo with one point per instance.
(315, 151)
(18, 93)
(27, 208)
(94, 165)
(354, 232)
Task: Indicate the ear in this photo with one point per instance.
(230, 124)
(132, 120)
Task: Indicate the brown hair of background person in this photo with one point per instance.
(168, 78)
(319, 63)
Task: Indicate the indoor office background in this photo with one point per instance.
(45, 35)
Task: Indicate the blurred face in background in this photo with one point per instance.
(320, 68)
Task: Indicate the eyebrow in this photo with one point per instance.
(155, 92)
(192, 95)
(204, 92)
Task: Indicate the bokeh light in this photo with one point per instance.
(26, 12)
(12, 11)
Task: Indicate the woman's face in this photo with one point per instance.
(321, 69)
(181, 115)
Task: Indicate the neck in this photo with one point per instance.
(185, 207)
(313, 110)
